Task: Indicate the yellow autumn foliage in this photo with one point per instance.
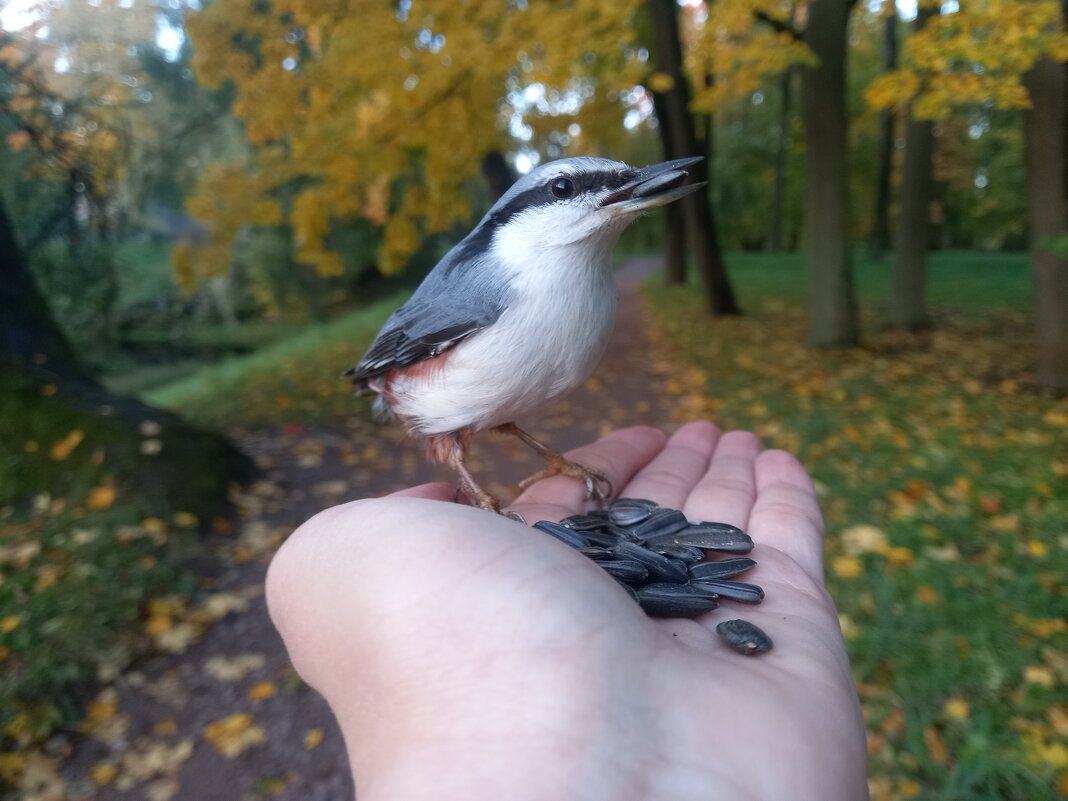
(977, 54)
(387, 114)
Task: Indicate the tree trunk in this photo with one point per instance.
(831, 303)
(674, 221)
(776, 227)
(1047, 194)
(697, 207)
(908, 281)
(879, 240)
(28, 334)
(497, 173)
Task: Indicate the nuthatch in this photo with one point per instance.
(517, 314)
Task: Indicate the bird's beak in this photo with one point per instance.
(652, 186)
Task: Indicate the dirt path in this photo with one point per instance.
(232, 688)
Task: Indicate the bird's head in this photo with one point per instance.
(583, 200)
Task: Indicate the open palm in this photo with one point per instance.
(469, 657)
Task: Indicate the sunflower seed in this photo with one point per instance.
(675, 600)
(625, 570)
(661, 523)
(744, 637)
(601, 537)
(715, 537)
(562, 533)
(660, 568)
(630, 511)
(595, 553)
(724, 568)
(734, 590)
(683, 553)
(593, 521)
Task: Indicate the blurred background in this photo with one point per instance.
(208, 208)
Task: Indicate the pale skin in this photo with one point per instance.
(469, 657)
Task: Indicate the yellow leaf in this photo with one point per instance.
(185, 520)
(1036, 548)
(927, 595)
(103, 773)
(1039, 674)
(847, 567)
(12, 764)
(10, 623)
(234, 734)
(957, 708)
(313, 738)
(261, 691)
(857, 540)
(899, 557)
(63, 448)
(233, 668)
(101, 497)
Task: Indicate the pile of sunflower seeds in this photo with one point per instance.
(658, 556)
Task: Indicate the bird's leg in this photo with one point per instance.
(468, 485)
(598, 487)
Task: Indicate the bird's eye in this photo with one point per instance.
(562, 187)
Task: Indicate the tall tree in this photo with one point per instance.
(832, 314)
(1047, 190)
(674, 218)
(1005, 54)
(697, 208)
(879, 239)
(777, 220)
(912, 236)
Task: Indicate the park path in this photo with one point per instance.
(161, 729)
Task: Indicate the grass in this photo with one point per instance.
(943, 476)
(91, 528)
(295, 378)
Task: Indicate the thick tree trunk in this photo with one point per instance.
(879, 240)
(908, 281)
(1047, 191)
(831, 303)
(912, 237)
(674, 220)
(498, 174)
(28, 334)
(697, 208)
(777, 224)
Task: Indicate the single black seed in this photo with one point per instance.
(625, 570)
(682, 553)
(675, 600)
(661, 568)
(628, 516)
(661, 523)
(728, 538)
(595, 553)
(601, 537)
(592, 521)
(562, 533)
(634, 503)
(734, 590)
(744, 637)
(724, 568)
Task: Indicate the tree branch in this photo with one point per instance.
(782, 26)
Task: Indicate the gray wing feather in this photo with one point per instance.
(460, 297)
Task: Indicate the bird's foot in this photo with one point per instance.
(477, 497)
(598, 487)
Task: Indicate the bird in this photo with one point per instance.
(517, 314)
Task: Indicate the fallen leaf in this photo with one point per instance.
(103, 773)
(957, 708)
(261, 691)
(233, 668)
(101, 497)
(313, 738)
(9, 624)
(64, 447)
(234, 734)
(847, 567)
(857, 540)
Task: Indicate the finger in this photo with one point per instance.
(786, 514)
(618, 455)
(437, 491)
(670, 477)
(726, 492)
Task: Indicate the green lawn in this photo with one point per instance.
(943, 476)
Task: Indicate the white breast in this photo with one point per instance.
(559, 318)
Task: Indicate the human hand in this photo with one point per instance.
(467, 656)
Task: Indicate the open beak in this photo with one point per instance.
(653, 186)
